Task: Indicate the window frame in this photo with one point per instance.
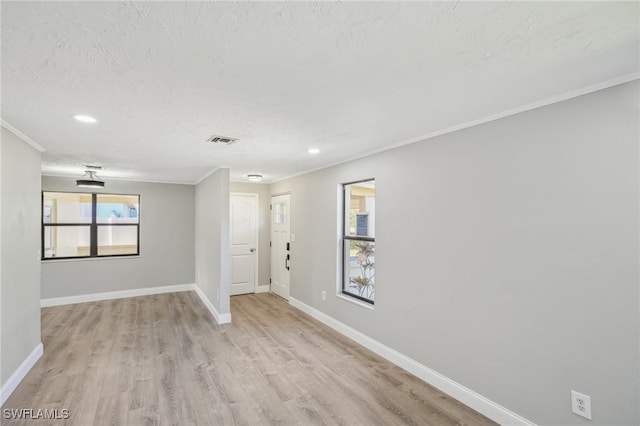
(343, 240)
(93, 227)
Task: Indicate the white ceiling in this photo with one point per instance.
(347, 78)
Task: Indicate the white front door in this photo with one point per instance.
(280, 245)
(244, 242)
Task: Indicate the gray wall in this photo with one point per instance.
(506, 255)
(20, 276)
(167, 244)
(264, 226)
(213, 260)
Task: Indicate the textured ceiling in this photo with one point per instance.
(347, 78)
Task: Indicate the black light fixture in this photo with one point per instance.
(92, 180)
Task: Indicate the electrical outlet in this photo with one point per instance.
(324, 296)
(581, 404)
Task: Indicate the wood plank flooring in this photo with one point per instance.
(162, 360)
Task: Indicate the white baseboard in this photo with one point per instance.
(12, 382)
(463, 394)
(263, 289)
(70, 300)
(220, 318)
(83, 298)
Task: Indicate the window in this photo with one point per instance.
(358, 240)
(281, 214)
(77, 225)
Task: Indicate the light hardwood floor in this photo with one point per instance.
(163, 360)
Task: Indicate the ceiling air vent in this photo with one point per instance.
(222, 139)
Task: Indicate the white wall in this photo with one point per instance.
(264, 226)
(213, 261)
(20, 272)
(506, 255)
(167, 244)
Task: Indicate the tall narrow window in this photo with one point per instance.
(76, 225)
(358, 240)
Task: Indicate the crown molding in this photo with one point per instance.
(206, 175)
(513, 111)
(124, 179)
(22, 136)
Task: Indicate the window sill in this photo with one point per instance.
(85, 259)
(355, 301)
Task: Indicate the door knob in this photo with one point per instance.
(252, 250)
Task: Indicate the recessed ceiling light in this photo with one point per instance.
(254, 177)
(85, 119)
(313, 150)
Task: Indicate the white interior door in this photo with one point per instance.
(244, 242)
(280, 245)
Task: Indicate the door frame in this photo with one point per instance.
(256, 257)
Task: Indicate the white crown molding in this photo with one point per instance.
(94, 297)
(123, 179)
(107, 178)
(21, 372)
(463, 394)
(220, 318)
(22, 136)
(555, 99)
(527, 107)
(206, 175)
(262, 182)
